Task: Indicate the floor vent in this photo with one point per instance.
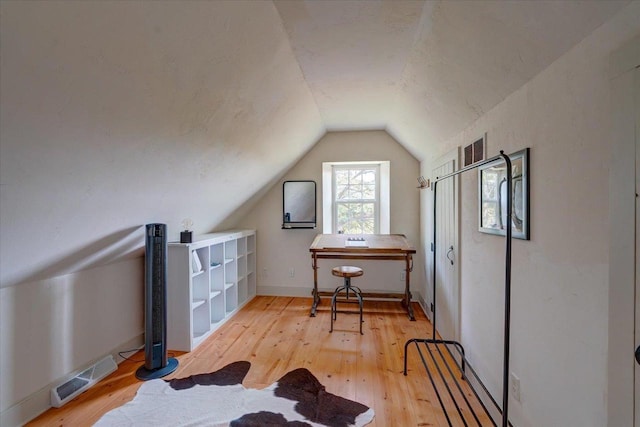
(81, 381)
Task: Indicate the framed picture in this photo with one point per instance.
(492, 179)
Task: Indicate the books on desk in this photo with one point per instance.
(356, 243)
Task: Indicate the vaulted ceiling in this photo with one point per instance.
(119, 113)
(424, 70)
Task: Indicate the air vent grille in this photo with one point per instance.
(80, 381)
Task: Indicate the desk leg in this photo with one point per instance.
(316, 297)
(406, 302)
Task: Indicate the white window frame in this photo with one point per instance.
(376, 197)
(384, 194)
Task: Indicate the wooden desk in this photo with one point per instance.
(390, 247)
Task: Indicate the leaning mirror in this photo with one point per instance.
(299, 204)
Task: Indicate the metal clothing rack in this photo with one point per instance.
(444, 377)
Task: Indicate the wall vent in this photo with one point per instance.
(81, 381)
(475, 151)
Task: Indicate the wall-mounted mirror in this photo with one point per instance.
(299, 204)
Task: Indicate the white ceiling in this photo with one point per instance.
(424, 70)
(120, 113)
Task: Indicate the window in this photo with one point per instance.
(355, 197)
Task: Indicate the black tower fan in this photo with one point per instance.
(156, 363)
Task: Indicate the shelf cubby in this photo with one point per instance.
(208, 281)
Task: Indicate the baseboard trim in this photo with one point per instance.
(423, 304)
(40, 401)
(287, 291)
(284, 291)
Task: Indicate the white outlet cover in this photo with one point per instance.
(515, 387)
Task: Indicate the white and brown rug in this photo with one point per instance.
(219, 399)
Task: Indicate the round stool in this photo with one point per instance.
(346, 272)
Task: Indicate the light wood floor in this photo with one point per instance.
(277, 335)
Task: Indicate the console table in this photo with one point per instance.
(383, 247)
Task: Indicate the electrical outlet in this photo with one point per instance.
(264, 272)
(403, 275)
(515, 387)
(292, 272)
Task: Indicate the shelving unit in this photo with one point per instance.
(209, 280)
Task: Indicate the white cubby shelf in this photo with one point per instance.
(199, 302)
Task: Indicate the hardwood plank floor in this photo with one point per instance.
(277, 335)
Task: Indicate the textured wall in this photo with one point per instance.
(560, 277)
(114, 115)
(279, 250)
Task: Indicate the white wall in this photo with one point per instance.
(279, 250)
(560, 277)
(117, 114)
(51, 327)
(114, 115)
(625, 102)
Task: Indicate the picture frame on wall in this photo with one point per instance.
(492, 191)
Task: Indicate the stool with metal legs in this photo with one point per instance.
(347, 272)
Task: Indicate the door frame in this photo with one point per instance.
(636, 383)
(622, 243)
(453, 155)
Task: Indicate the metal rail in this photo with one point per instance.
(507, 311)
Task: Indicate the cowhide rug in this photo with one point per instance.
(219, 399)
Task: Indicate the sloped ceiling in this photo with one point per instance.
(115, 114)
(425, 70)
